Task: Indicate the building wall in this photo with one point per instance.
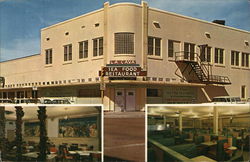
(185, 29)
(23, 70)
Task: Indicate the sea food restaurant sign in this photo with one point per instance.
(122, 68)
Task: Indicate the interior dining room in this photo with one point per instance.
(51, 133)
(198, 132)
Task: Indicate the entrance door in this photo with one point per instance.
(119, 100)
(130, 100)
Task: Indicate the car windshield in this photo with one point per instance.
(5, 101)
(47, 101)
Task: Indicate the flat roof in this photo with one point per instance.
(154, 9)
(20, 58)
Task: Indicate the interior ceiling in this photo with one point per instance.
(30, 112)
(198, 110)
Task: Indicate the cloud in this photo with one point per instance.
(20, 48)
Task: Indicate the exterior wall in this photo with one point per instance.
(184, 29)
(23, 70)
(125, 18)
(77, 68)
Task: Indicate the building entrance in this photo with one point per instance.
(124, 100)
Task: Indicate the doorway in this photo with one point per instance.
(124, 100)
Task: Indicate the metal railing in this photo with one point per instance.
(219, 79)
(206, 67)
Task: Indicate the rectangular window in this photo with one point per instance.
(150, 46)
(154, 46)
(89, 93)
(205, 54)
(124, 43)
(245, 59)
(189, 51)
(170, 48)
(48, 56)
(243, 91)
(173, 47)
(235, 58)
(83, 49)
(98, 47)
(219, 56)
(68, 52)
(153, 92)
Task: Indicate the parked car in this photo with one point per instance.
(226, 99)
(55, 101)
(6, 101)
(27, 101)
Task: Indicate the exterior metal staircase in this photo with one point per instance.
(202, 69)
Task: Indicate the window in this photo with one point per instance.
(68, 52)
(189, 51)
(173, 47)
(124, 43)
(245, 59)
(48, 56)
(83, 49)
(243, 91)
(89, 93)
(219, 56)
(205, 54)
(153, 92)
(154, 46)
(235, 55)
(98, 47)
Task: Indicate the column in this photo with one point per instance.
(164, 120)
(144, 34)
(105, 36)
(19, 137)
(99, 126)
(43, 133)
(220, 124)
(180, 122)
(2, 131)
(215, 121)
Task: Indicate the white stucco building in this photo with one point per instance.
(178, 59)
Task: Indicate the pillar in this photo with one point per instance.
(19, 137)
(215, 121)
(180, 122)
(99, 126)
(2, 131)
(43, 133)
(164, 120)
(220, 124)
(144, 34)
(105, 39)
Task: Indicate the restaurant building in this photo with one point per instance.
(127, 55)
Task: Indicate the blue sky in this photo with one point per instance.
(22, 20)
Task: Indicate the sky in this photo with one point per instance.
(22, 20)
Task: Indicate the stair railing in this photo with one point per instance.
(206, 67)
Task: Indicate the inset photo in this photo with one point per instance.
(51, 133)
(198, 132)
